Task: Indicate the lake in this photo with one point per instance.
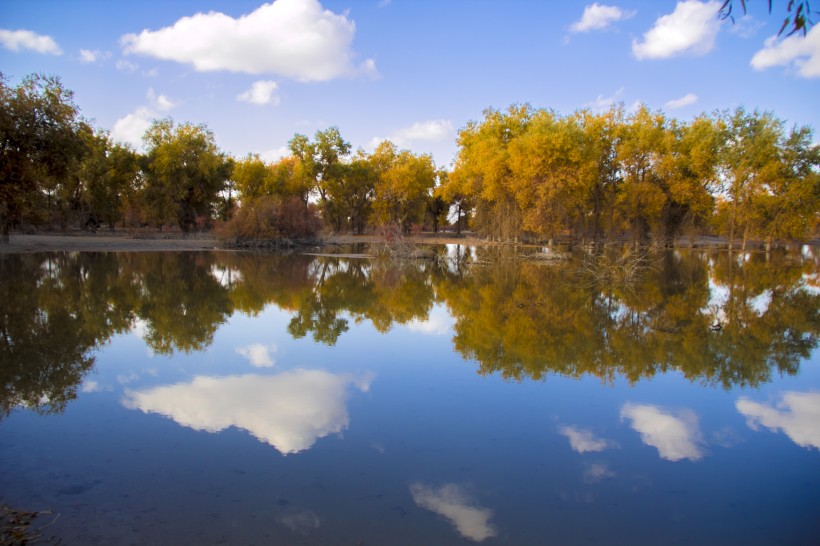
(482, 396)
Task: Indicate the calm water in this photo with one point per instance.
(198, 398)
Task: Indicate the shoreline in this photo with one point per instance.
(123, 242)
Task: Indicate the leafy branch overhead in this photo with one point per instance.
(799, 15)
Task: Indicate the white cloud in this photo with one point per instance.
(691, 28)
(801, 53)
(297, 39)
(132, 127)
(746, 27)
(686, 100)
(126, 66)
(453, 503)
(675, 437)
(436, 130)
(797, 415)
(289, 411)
(275, 154)
(160, 102)
(599, 17)
(258, 355)
(582, 440)
(19, 40)
(92, 56)
(261, 92)
(602, 103)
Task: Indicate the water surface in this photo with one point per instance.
(483, 396)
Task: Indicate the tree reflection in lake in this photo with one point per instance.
(54, 310)
(717, 317)
(532, 320)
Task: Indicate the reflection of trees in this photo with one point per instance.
(54, 310)
(324, 293)
(181, 301)
(520, 319)
(530, 320)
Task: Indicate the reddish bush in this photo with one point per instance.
(272, 218)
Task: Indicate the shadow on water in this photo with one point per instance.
(716, 317)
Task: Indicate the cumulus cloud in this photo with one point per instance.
(131, 127)
(797, 415)
(599, 17)
(582, 440)
(690, 29)
(800, 53)
(297, 39)
(261, 92)
(675, 437)
(92, 56)
(454, 503)
(433, 130)
(19, 40)
(686, 100)
(258, 355)
(436, 130)
(288, 411)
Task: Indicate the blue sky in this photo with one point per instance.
(413, 71)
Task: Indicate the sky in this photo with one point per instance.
(412, 71)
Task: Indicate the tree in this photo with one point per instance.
(106, 175)
(320, 159)
(484, 173)
(405, 183)
(253, 177)
(640, 149)
(39, 122)
(750, 161)
(352, 192)
(691, 168)
(788, 204)
(186, 172)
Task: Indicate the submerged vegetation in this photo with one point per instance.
(520, 174)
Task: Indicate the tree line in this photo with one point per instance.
(520, 174)
(534, 173)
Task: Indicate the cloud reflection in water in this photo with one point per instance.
(583, 440)
(454, 503)
(797, 415)
(675, 437)
(289, 411)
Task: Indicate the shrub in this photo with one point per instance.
(272, 218)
